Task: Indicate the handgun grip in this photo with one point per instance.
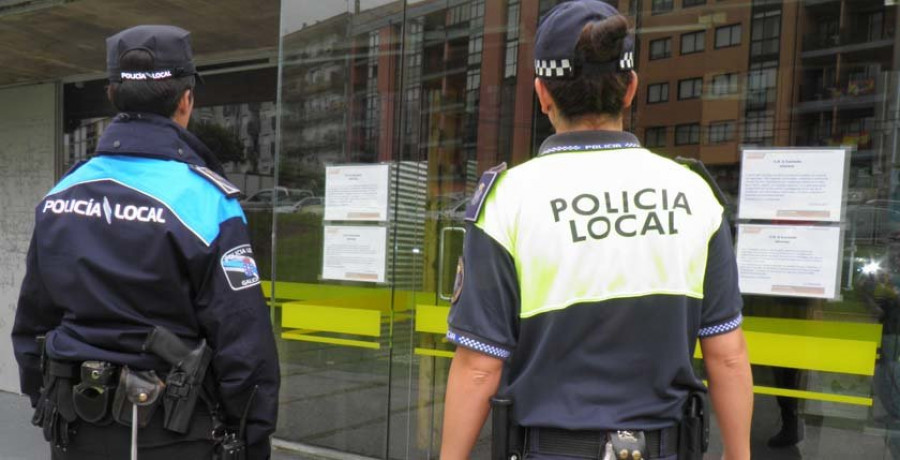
(168, 346)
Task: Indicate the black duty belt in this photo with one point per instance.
(591, 443)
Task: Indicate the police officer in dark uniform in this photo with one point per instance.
(146, 234)
(589, 273)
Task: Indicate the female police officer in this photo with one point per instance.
(591, 271)
(142, 235)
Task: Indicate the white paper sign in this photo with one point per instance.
(798, 184)
(354, 253)
(357, 192)
(789, 260)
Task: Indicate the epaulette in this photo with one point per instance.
(473, 210)
(229, 189)
(697, 166)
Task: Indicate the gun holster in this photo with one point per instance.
(694, 429)
(184, 384)
(93, 397)
(140, 388)
(507, 438)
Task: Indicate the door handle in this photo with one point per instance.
(441, 254)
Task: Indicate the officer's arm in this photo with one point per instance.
(723, 346)
(731, 389)
(474, 379)
(35, 316)
(235, 320)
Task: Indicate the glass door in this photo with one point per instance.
(339, 211)
(462, 107)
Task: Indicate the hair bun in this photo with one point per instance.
(602, 40)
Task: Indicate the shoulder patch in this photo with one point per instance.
(460, 279)
(473, 210)
(699, 168)
(240, 267)
(229, 189)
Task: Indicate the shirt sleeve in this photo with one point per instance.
(35, 315)
(235, 320)
(484, 314)
(722, 303)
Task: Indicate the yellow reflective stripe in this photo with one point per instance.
(814, 395)
(309, 336)
(433, 352)
(298, 315)
(845, 348)
(432, 319)
(631, 295)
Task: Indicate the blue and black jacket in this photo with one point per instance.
(145, 235)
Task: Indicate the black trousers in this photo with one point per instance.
(113, 441)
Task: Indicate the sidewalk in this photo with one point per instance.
(19, 440)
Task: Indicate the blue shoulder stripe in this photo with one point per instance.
(196, 202)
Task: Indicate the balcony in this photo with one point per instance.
(859, 93)
(861, 141)
(847, 41)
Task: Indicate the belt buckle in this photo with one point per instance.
(627, 445)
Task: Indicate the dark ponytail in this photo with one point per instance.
(586, 95)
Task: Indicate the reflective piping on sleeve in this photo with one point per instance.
(477, 345)
(722, 328)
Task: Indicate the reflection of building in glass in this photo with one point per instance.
(848, 56)
(81, 142)
(314, 99)
(715, 77)
(253, 126)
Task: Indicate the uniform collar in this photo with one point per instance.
(578, 141)
(155, 136)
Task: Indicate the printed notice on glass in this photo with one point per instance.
(357, 192)
(798, 184)
(354, 253)
(789, 260)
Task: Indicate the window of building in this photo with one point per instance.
(765, 33)
(693, 42)
(687, 134)
(661, 48)
(728, 36)
(721, 131)
(657, 93)
(655, 136)
(723, 85)
(662, 6)
(690, 3)
(761, 85)
(512, 39)
(691, 88)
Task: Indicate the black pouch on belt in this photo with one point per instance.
(93, 397)
(55, 412)
(694, 429)
(142, 386)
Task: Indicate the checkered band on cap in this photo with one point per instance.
(567, 68)
(554, 68)
(627, 61)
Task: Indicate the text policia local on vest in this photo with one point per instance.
(627, 214)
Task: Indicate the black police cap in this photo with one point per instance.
(554, 49)
(169, 46)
